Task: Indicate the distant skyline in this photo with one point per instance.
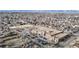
(54, 11)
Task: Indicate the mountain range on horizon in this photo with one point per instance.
(54, 11)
